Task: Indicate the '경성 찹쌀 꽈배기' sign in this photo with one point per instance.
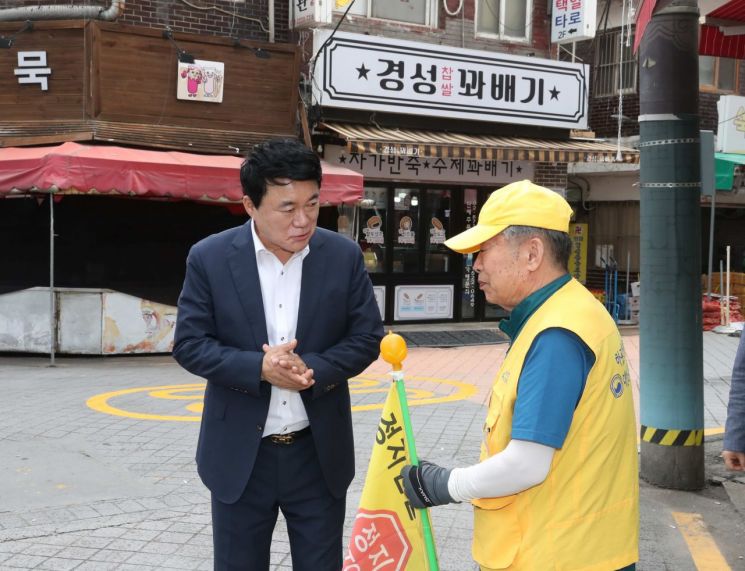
(356, 71)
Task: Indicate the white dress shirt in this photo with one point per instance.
(280, 291)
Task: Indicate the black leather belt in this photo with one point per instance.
(289, 437)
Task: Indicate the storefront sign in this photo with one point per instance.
(424, 169)
(417, 302)
(310, 13)
(731, 129)
(201, 81)
(573, 20)
(578, 258)
(32, 68)
(361, 72)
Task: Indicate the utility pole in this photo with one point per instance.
(671, 343)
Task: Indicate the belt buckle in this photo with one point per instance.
(283, 438)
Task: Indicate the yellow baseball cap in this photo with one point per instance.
(520, 203)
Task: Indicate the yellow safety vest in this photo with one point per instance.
(585, 515)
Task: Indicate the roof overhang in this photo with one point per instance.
(73, 168)
(723, 31)
(440, 144)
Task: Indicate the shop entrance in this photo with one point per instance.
(401, 230)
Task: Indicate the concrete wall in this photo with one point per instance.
(89, 322)
(24, 321)
(79, 322)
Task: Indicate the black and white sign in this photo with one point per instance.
(426, 169)
(32, 68)
(356, 71)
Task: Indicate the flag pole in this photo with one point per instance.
(393, 350)
(398, 378)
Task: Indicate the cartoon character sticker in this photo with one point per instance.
(405, 233)
(193, 77)
(201, 81)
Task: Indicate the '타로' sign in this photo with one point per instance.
(356, 71)
(572, 20)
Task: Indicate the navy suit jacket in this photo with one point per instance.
(734, 435)
(219, 333)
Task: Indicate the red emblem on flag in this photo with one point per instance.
(378, 543)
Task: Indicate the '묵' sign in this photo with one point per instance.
(378, 543)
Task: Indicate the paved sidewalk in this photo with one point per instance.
(84, 489)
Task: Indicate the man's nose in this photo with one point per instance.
(301, 218)
(477, 264)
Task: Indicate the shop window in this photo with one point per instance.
(615, 65)
(372, 228)
(422, 12)
(508, 19)
(717, 73)
(405, 231)
(437, 230)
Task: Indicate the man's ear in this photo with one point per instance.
(535, 251)
(248, 205)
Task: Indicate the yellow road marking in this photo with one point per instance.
(418, 396)
(705, 553)
(100, 402)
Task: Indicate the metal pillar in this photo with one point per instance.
(671, 375)
(52, 304)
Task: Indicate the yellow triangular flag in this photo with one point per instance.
(342, 4)
(387, 533)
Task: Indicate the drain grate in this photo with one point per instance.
(454, 338)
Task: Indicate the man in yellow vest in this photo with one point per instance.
(557, 485)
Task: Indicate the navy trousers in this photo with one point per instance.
(286, 477)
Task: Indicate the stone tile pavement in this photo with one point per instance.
(83, 489)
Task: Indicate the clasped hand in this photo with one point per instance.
(284, 369)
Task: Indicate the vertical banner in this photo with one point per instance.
(578, 258)
(388, 533)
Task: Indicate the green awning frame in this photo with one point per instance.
(724, 169)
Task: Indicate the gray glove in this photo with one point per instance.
(426, 485)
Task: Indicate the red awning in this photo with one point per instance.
(723, 31)
(643, 16)
(72, 168)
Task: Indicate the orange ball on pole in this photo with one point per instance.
(393, 350)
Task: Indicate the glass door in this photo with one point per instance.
(473, 304)
(436, 227)
(372, 228)
(406, 236)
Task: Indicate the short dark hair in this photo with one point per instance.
(276, 159)
(558, 244)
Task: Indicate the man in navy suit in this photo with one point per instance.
(277, 315)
